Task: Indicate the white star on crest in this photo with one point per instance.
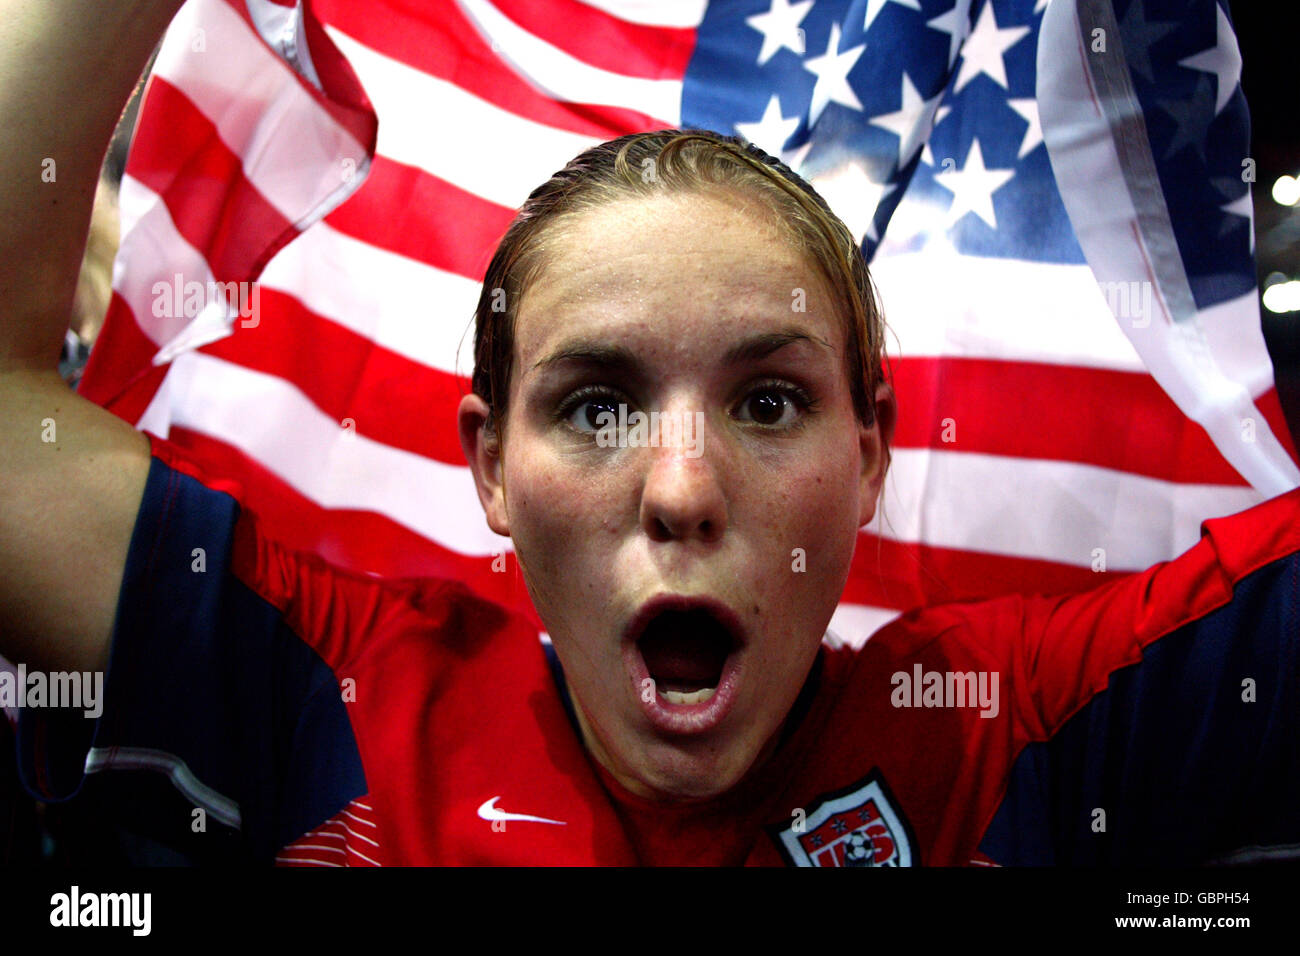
(780, 28)
(875, 6)
(1223, 60)
(1028, 110)
(984, 49)
(770, 132)
(956, 23)
(832, 70)
(973, 187)
(909, 121)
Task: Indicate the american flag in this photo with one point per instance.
(1058, 221)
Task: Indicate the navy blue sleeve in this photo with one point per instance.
(223, 735)
(1190, 756)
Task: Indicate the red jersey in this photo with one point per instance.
(321, 717)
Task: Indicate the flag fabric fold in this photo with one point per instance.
(341, 174)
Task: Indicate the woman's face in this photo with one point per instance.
(686, 579)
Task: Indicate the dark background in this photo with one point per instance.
(1266, 33)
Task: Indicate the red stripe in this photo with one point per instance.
(905, 575)
(438, 40)
(178, 153)
(407, 211)
(1118, 420)
(120, 375)
(1271, 408)
(605, 41)
(349, 376)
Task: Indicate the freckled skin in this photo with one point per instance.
(677, 281)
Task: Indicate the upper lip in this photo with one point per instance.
(680, 602)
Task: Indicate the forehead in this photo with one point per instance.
(670, 272)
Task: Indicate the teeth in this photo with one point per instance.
(680, 697)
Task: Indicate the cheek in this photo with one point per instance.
(560, 524)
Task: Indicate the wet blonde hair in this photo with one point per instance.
(676, 161)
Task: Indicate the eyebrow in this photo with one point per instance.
(616, 358)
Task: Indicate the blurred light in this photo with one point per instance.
(1287, 190)
(1283, 297)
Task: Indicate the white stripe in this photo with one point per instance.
(417, 311)
(324, 833)
(356, 834)
(654, 13)
(318, 846)
(200, 794)
(292, 149)
(1050, 510)
(854, 624)
(270, 420)
(357, 852)
(564, 77)
(423, 121)
(368, 823)
(938, 303)
(1235, 337)
(305, 859)
(153, 251)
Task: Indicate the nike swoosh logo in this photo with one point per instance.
(489, 811)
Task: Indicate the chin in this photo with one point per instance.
(682, 777)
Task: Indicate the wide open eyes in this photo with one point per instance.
(775, 405)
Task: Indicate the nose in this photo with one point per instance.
(683, 498)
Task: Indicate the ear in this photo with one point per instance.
(875, 442)
(482, 447)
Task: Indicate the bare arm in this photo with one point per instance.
(67, 507)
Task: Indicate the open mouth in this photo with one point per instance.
(685, 651)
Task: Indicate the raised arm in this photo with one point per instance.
(67, 506)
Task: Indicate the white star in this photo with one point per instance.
(853, 196)
(795, 157)
(910, 122)
(770, 132)
(780, 27)
(1028, 110)
(956, 23)
(1223, 60)
(832, 71)
(1040, 6)
(973, 187)
(985, 47)
(1243, 207)
(875, 6)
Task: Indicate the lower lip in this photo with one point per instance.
(684, 719)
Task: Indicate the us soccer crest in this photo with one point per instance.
(857, 826)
